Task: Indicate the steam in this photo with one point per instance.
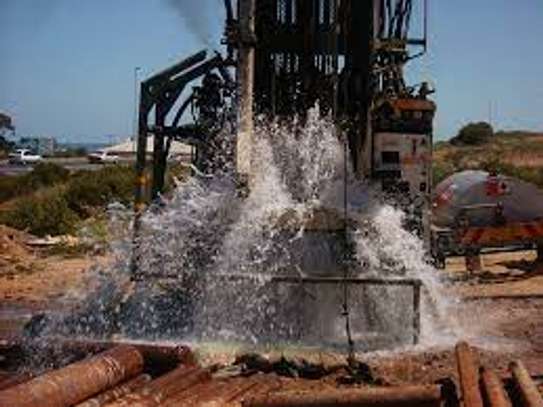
(203, 18)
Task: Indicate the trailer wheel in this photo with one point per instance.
(440, 261)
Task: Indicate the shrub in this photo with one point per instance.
(44, 213)
(442, 171)
(43, 175)
(9, 187)
(46, 174)
(90, 189)
(474, 134)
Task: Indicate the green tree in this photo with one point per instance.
(474, 134)
(6, 145)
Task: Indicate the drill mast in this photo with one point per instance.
(347, 55)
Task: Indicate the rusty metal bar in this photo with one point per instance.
(529, 394)
(354, 280)
(159, 390)
(412, 396)
(158, 359)
(14, 380)
(214, 395)
(77, 382)
(327, 280)
(469, 375)
(493, 390)
(520, 297)
(154, 386)
(117, 392)
(416, 314)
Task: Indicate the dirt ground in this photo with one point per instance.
(35, 279)
(499, 309)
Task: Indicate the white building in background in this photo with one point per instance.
(45, 146)
(178, 151)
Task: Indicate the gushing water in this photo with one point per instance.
(208, 257)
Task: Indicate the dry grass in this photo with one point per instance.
(516, 154)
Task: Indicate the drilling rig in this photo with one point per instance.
(281, 58)
(286, 55)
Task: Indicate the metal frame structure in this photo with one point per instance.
(270, 281)
(346, 55)
(415, 284)
(160, 94)
(288, 55)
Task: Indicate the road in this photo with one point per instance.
(72, 164)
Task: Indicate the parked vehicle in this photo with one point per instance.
(23, 157)
(103, 157)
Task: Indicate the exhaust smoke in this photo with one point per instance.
(201, 18)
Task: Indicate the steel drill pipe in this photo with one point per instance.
(493, 390)
(409, 396)
(15, 380)
(170, 355)
(468, 372)
(76, 382)
(214, 394)
(529, 394)
(117, 392)
(157, 391)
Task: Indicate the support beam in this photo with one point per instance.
(141, 153)
(246, 60)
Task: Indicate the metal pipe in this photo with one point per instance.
(158, 359)
(468, 375)
(217, 397)
(14, 380)
(529, 394)
(76, 382)
(117, 392)
(158, 390)
(412, 396)
(330, 280)
(141, 152)
(159, 168)
(493, 390)
(416, 313)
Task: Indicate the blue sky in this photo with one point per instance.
(67, 66)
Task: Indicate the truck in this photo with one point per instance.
(476, 212)
(23, 157)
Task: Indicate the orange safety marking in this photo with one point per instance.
(532, 229)
(502, 234)
(142, 180)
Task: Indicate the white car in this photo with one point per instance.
(23, 157)
(103, 157)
